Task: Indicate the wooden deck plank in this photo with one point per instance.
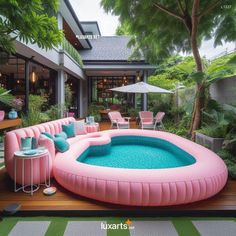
(64, 200)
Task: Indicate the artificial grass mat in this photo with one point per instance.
(183, 225)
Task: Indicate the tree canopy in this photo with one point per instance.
(161, 28)
(32, 21)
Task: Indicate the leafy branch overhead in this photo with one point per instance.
(161, 28)
(32, 21)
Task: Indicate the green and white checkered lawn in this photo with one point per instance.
(1, 164)
(91, 226)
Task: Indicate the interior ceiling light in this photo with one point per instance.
(138, 76)
(124, 78)
(33, 76)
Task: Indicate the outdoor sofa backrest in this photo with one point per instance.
(12, 140)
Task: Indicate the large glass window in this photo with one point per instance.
(101, 94)
(42, 80)
(72, 94)
(12, 75)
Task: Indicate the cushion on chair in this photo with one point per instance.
(147, 123)
(69, 130)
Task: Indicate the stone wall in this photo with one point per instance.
(224, 91)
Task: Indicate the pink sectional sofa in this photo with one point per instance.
(12, 144)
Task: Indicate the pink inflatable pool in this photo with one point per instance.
(141, 187)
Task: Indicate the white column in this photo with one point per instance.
(61, 89)
(145, 94)
(81, 105)
(60, 21)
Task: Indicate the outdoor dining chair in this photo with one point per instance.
(118, 121)
(146, 119)
(158, 120)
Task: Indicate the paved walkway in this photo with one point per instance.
(40, 226)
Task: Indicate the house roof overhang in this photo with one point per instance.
(91, 26)
(72, 20)
(119, 67)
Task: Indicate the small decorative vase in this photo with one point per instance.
(26, 143)
(87, 120)
(91, 119)
(12, 114)
(2, 115)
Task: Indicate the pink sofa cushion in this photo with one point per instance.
(80, 127)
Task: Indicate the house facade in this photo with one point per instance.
(87, 64)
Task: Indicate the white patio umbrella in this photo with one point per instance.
(140, 87)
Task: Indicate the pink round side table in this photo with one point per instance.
(92, 127)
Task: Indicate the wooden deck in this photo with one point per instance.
(64, 202)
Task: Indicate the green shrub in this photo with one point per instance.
(232, 171)
(72, 52)
(230, 161)
(54, 112)
(133, 112)
(93, 110)
(35, 114)
(214, 131)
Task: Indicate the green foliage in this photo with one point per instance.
(218, 69)
(181, 131)
(230, 161)
(162, 81)
(35, 114)
(72, 52)
(228, 152)
(133, 112)
(173, 71)
(159, 34)
(93, 110)
(5, 97)
(214, 131)
(225, 63)
(68, 95)
(160, 102)
(215, 124)
(31, 22)
(54, 112)
(123, 29)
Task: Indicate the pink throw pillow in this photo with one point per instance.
(80, 127)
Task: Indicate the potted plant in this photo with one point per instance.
(93, 110)
(133, 113)
(212, 135)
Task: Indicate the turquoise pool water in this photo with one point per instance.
(137, 152)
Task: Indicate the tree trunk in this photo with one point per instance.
(199, 99)
(197, 109)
